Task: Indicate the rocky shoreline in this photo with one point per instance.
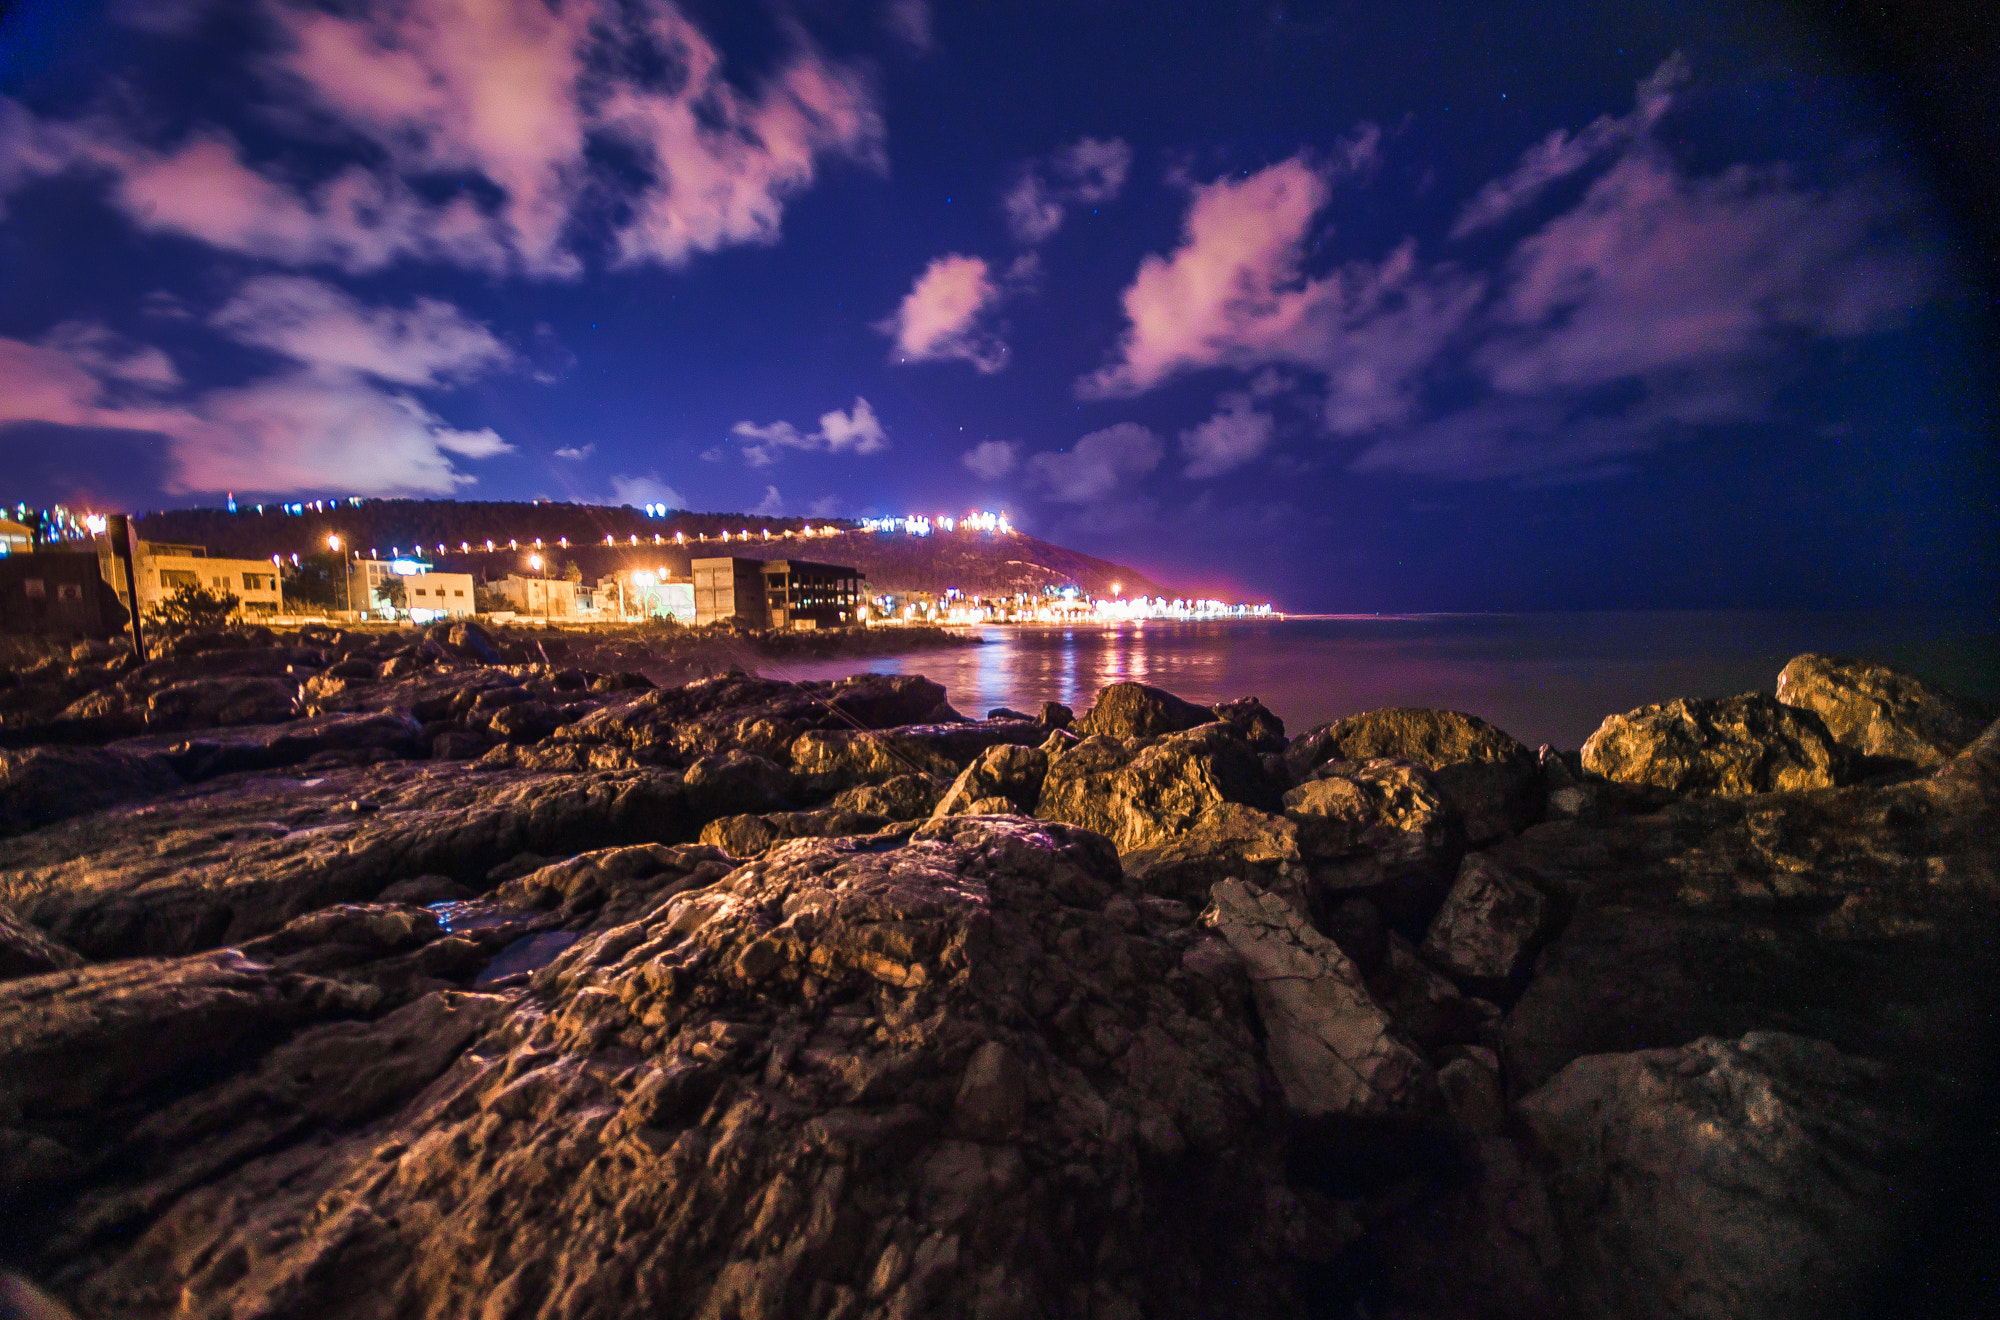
(338, 981)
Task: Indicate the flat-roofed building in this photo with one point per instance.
(775, 593)
(538, 598)
(57, 593)
(16, 538)
(161, 568)
(426, 596)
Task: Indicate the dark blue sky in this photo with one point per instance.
(1353, 307)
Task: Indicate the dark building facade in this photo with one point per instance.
(775, 593)
(57, 594)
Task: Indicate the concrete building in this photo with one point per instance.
(160, 568)
(57, 593)
(427, 596)
(15, 538)
(538, 598)
(775, 593)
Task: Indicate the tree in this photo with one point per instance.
(319, 580)
(393, 593)
(193, 608)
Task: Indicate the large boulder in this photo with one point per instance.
(737, 782)
(1747, 1179)
(1880, 714)
(609, 887)
(1263, 730)
(45, 784)
(1141, 794)
(749, 835)
(1334, 1049)
(1134, 710)
(272, 746)
(936, 1079)
(846, 758)
(1007, 771)
(903, 797)
(1489, 925)
(1366, 823)
(1227, 841)
(1728, 745)
(1491, 778)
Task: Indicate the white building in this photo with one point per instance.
(539, 598)
(161, 568)
(426, 596)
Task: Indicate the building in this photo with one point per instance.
(775, 593)
(57, 593)
(15, 538)
(538, 597)
(161, 568)
(426, 596)
(648, 594)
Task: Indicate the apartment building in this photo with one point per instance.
(161, 568)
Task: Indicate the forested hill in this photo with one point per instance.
(977, 563)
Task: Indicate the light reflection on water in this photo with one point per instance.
(1542, 677)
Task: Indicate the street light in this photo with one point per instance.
(333, 544)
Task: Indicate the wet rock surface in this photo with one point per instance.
(463, 985)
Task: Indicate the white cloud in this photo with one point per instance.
(514, 91)
(857, 431)
(577, 453)
(1233, 436)
(1088, 171)
(990, 460)
(939, 319)
(1234, 294)
(1097, 465)
(826, 506)
(641, 491)
(1561, 154)
(428, 344)
(772, 505)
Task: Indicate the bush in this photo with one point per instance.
(193, 608)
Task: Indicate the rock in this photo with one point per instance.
(269, 747)
(1009, 772)
(791, 1093)
(1730, 745)
(736, 782)
(612, 886)
(748, 835)
(42, 785)
(1264, 731)
(1569, 795)
(1227, 841)
(1134, 710)
(1333, 1048)
(1752, 1179)
(469, 640)
(847, 759)
(523, 722)
(1489, 926)
(1470, 1084)
(1369, 823)
(424, 889)
(1875, 712)
(1489, 777)
(1055, 715)
(239, 858)
(905, 797)
(26, 951)
(456, 745)
(1141, 795)
(1425, 1006)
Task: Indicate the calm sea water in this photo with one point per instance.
(1545, 678)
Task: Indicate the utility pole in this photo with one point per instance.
(118, 529)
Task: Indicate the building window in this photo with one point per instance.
(35, 588)
(69, 591)
(178, 577)
(458, 593)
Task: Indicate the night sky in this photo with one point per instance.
(1360, 307)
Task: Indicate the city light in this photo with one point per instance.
(535, 562)
(333, 544)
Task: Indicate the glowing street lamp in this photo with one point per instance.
(535, 562)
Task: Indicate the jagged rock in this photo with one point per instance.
(736, 782)
(612, 886)
(1333, 1048)
(1009, 772)
(26, 951)
(425, 889)
(1055, 715)
(1424, 1004)
(1875, 712)
(1489, 777)
(268, 747)
(905, 797)
(1264, 731)
(1569, 795)
(845, 1081)
(1749, 1179)
(1367, 823)
(1134, 710)
(1473, 1096)
(42, 785)
(238, 859)
(1730, 745)
(1227, 841)
(468, 640)
(457, 745)
(848, 759)
(1860, 916)
(1141, 795)
(746, 836)
(1489, 924)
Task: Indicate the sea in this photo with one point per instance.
(1545, 678)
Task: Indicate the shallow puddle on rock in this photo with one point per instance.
(528, 954)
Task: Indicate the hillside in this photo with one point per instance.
(976, 563)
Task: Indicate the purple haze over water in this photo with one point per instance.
(1545, 678)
